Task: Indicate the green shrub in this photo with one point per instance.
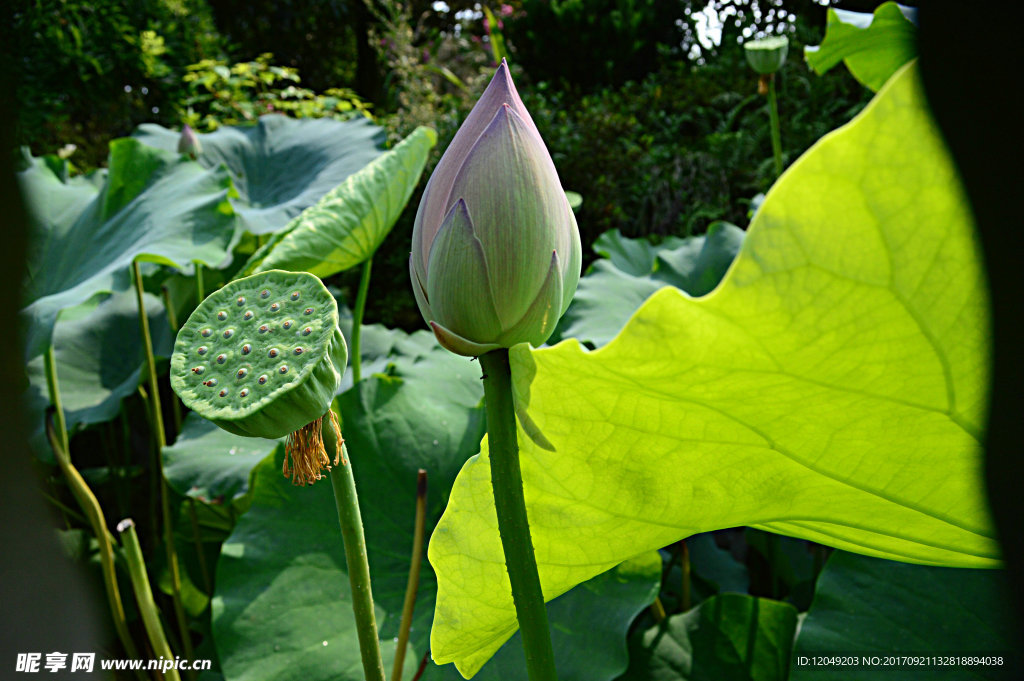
(86, 72)
(230, 95)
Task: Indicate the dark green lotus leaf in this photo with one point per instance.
(154, 206)
(210, 463)
(262, 356)
(281, 165)
(729, 636)
(713, 570)
(347, 225)
(871, 606)
(283, 569)
(873, 46)
(99, 352)
(632, 256)
(615, 288)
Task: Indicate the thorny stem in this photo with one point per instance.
(351, 522)
(91, 507)
(161, 441)
(357, 319)
(414, 574)
(144, 595)
(513, 525)
(773, 113)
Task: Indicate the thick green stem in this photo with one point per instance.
(507, 481)
(357, 319)
(144, 596)
(351, 522)
(87, 501)
(200, 289)
(172, 319)
(414, 575)
(684, 555)
(773, 113)
(157, 421)
(197, 539)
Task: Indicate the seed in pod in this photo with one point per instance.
(294, 405)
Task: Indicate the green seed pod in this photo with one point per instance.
(263, 356)
(768, 54)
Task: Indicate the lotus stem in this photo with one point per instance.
(684, 560)
(351, 522)
(56, 433)
(198, 541)
(200, 289)
(513, 525)
(658, 610)
(773, 113)
(144, 596)
(161, 441)
(357, 319)
(414, 574)
(172, 319)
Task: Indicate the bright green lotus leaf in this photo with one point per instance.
(873, 47)
(727, 637)
(99, 353)
(281, 571)
(347, 225)
(209, 463)
(613, 289)
(831, 388)
(281, 165)
(588, 628)
(868, 606)
(154, 206)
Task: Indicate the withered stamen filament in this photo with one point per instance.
(305, 457)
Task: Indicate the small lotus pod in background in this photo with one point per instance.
(496, 253)
(767, 55)
(189, 144)
(263, 357)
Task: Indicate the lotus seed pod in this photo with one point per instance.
(767, 55)
(237, 364)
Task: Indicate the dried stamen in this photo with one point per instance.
(305, 456)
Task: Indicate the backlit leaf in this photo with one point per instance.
(831, 388)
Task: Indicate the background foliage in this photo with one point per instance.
(662, 135)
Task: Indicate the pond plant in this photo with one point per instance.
(263, 357)
(818, 379)
(495, 261)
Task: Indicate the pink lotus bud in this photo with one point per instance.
(496, 252)
(189, 144)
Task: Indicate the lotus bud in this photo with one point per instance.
(189, 144)
(496, 253)
(767, 55)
